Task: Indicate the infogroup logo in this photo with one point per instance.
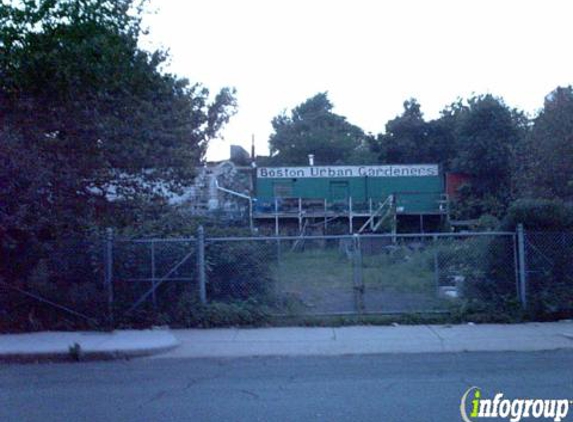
(474, 407)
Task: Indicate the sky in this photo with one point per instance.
(369, 55)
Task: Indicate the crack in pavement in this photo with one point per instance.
(235, 334)
(439, 337)
(249, 393)
(188, 385)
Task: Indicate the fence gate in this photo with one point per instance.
(315, 275)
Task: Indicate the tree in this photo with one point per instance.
(312, 128)
(487, 133)
(478, 137)
(92, 133)
(82, 102)
(405, 137)
(545, 166)
(410, 139)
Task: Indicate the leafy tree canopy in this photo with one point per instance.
(546, 158)
(477, 137)
(313, 128)
(487, 133)
(85, 114)
(410, 139)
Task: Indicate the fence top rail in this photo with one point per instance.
(318, 237)
(350, 236)
(155, 239)
(550, 232)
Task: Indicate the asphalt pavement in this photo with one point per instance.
(386, 387)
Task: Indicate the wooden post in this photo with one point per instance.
(276, 217)
(325, 216)
(350, 214)
(300, 215)
(201, 265)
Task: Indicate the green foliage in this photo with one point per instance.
(487, 223)
(405, 138)
(473, 203)
(228, 314)
(189, 312)
(550, 274)
(239, 270)
(539, 214)
(468, 313)
(487, 133)
(91, 115)
(90, 127)
(410, 139)
(477, 138)
(492, 282)
(67, 274)
(312, 128)
(548, 252)
(545, 166)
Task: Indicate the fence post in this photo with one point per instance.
(201, 264)
(357, 273)
(436, 265)
(279, 268)
(153, 295)
(108, 263)
(522, 266)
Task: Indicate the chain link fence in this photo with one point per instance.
(117, 282)
(549, 271)
(336, 275)
(55, 285)
(146, 277)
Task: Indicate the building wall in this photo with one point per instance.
(454, 181)
(415, 194)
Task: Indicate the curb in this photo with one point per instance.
(359, 340)
(88, 356)
(87, 353)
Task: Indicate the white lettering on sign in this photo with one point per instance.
(415, 170)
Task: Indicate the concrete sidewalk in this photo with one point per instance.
(55, 345)
(299, 341)
(288, 341)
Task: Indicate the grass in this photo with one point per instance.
(314, 269)
(328, 268)
(403, 272)
(320, 280)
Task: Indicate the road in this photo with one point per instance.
(381, 388)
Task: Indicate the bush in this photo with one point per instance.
(470, 203)
(549, 267)
(486, 266)
(236, 272)
(539, 214)
(62, 274)
(239, 270)
(548, 252)
(189, 312)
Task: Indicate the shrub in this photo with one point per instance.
(189, 312)
(539, 214)
(239, 270)
(548, 251)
